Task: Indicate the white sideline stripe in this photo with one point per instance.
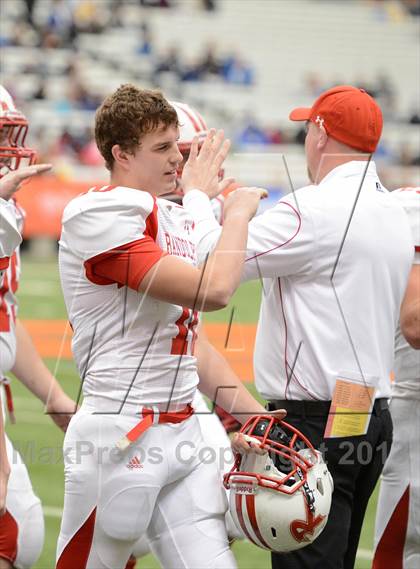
(52, 512)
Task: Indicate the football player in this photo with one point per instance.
(215, 423)
(132, 290)
(22, 525)
(9, 240)
(397, 528)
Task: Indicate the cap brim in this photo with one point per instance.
(300, 114)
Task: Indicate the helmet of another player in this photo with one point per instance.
(13, 131)
(281, 499)
(191, 124)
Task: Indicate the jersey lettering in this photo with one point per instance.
(180, 342)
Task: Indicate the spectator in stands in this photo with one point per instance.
(116, 13)
(50, 40)
(209, 5)
(145, 46)
(412, 6)
(22, 34)
(191, 69)
(156, 3)
(30, 5)
(210, 64)
(252, 134)
(414, 118)
(169, 62)
(384, 91)
(91, 16)
(275, 136)
(61, 22)
(235, 69)
(40, 93)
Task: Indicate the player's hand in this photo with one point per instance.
(12, 181)
(4, 478)
(61, 409)
(201, 171)
(245, 444)
(243, 202)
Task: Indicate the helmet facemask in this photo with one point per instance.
(13, 152)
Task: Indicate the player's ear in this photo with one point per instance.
(120, 156)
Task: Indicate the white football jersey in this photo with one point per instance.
(10, 236)
(130, 348)
(407, 360)
(12, 217)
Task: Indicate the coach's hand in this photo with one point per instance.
(243, 202)
(61, 409)
(12, 181)
(201, 171)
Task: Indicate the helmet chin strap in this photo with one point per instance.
(309, 494)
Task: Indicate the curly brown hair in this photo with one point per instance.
(126, 116)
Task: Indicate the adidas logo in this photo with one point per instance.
(134, 463)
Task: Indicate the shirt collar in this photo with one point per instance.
(353, 168)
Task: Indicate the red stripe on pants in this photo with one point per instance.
(76, 553)
(390, 549)
(8, 537)
(131, 563)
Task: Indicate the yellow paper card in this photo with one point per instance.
(350, 410)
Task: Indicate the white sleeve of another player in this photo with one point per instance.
(10, 237)
(409, 198)
(206, 228)
(97, 222)
(280, 243)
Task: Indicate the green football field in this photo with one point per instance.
(40, 441)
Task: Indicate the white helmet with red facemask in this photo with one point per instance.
(192, 124)
(13, 131)
(281, 499)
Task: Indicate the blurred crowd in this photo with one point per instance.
(65, 21)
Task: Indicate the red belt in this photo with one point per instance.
(152, 416)
(9, 398)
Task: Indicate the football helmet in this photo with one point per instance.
(191, 124)
(281, 499)
(13, 131)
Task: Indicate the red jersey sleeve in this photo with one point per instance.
(125, 265)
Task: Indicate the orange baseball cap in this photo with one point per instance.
(348, 114)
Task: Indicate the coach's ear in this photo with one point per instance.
(322, 138)
(121, 157)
